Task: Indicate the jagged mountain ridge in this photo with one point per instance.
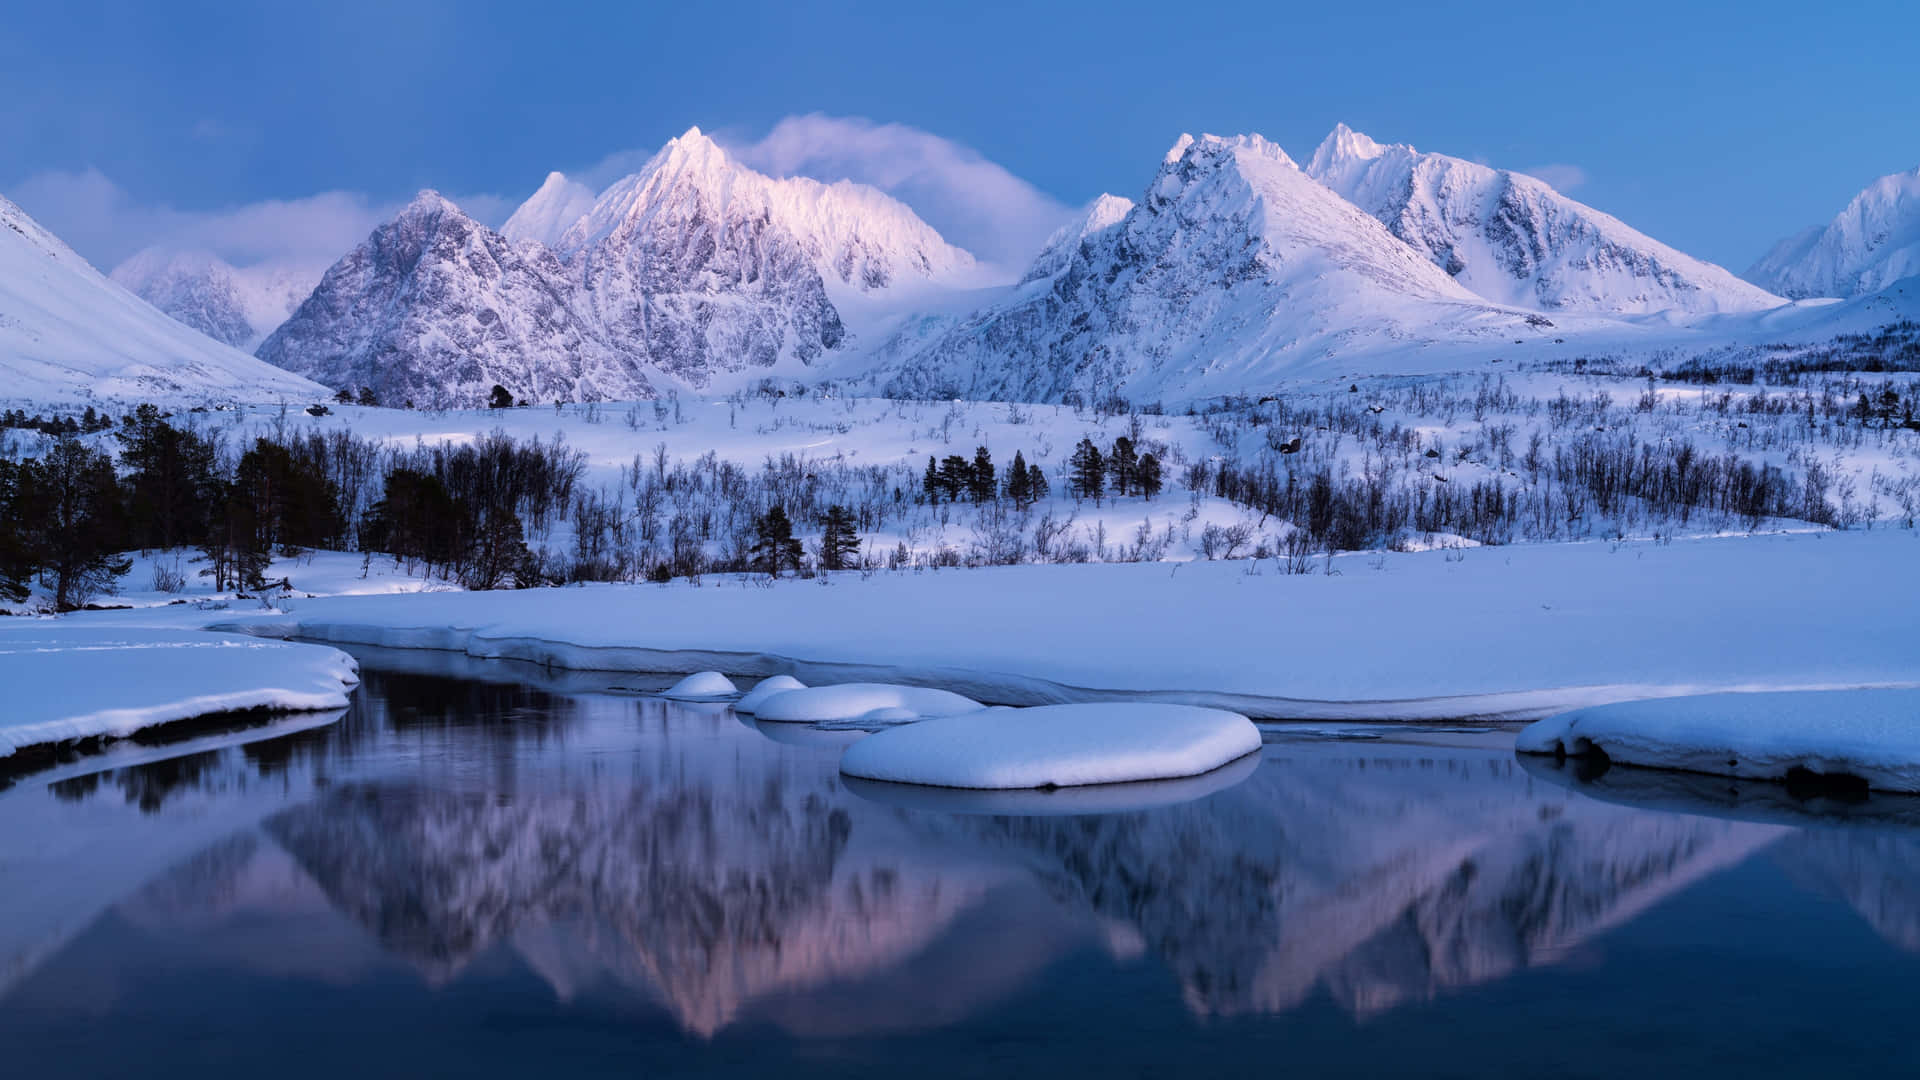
(1515, 240)
(1234, 269)
(1872, 243)
(68, 333)
(692, 269)
(436, 309)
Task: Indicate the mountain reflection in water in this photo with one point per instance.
(624, 849)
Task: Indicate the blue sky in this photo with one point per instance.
(268, 128)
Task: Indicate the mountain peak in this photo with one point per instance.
(1873, 242)
(426, 203)
(548, 212)
(1342, 146)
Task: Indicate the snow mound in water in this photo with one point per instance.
(703, 686)
(851, 701)
(1873, 735)
(766, 688)
(1055, 746)
(68, 682)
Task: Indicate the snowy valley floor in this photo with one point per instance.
(1508, 632)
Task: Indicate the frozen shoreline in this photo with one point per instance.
(72, 682)
(1505, 633)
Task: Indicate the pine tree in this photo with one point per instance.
(1087, 472)
(1037, 487)
(839, 546)
(1148, 475)
(930, 484)
(980, 480)
(1018, 486)
(775, 548)
(501, 398)
(1121, 463)
(956, 477)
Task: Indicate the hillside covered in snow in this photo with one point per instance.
(69, 335)
(238, 306)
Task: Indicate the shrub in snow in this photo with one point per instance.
(1055, 746)
(766, 688)
(702, 686)
(850, 701)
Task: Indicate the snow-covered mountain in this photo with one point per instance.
(1871, 244)
(1100, 215)
(68, 334)
(1515, 240)
(239, 306)
(1233, 270)
(550, 211)
(436, 308)
(692, 269)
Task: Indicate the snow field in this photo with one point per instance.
(1055, 746)
(1872, 734)
(83, 681)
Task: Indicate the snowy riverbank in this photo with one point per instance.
(1518, 631)
(69, 681)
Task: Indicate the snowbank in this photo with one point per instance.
(766, 688)
(67, 682)
(703, 686)
(1055, 746)
(1873, 735)
(1517, 632)
(855, 701)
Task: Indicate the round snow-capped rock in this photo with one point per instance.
(764, 689)
(1055, 746)
(703, 686)
(850, 701)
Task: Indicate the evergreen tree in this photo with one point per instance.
(775, 548)
(1019, 488)
(930, 484)
(1087, 472)
(981, 483)
(839, 546)
(18, 559)
(1122, 463)
(171, 480)
(956, 477)
(366, 397)
(1037, 487)
(501, 398)
(1147, 476)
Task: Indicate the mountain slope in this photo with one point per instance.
(1234, 270)
(235, 306)
(1515, 240)
(67, 334)
(436, 309)
(1869, 245)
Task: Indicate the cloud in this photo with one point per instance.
(1563, 178)
(972, 201)
(104, 223)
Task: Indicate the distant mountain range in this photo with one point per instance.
(1235, 267)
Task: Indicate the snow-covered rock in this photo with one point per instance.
(233, 305)
(67, 333)
(436, 308)
(1513, 239)
(764, 690)
(1055, 746)
(1869, 245)
(851, 701)
(71, 682)
(1233, 270)
(549, 212)
(703, 686)
(1873, 735)
(1100, 215)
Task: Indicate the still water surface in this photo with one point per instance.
(481, 871)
